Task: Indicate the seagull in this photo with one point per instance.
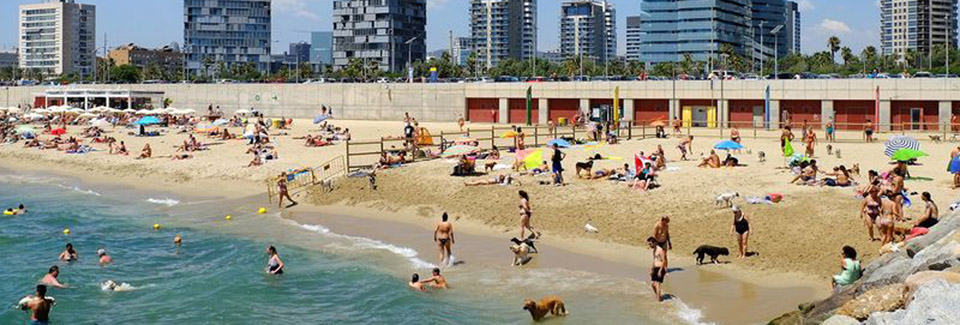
(590, 228)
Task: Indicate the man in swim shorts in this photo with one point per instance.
(443, 236)
(659, 269)
(661, 233)
(40, 307)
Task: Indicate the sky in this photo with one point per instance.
(154, 23)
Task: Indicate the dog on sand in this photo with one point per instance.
(726, 199)
(522, 249)
(936, 138)
(548, 305)
(588, 166)
(855, 170)
(762, 156)
(712, 251)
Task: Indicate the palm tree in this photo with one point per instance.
(833, 44)
(869, 55)
(847, 55)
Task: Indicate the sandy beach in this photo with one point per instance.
(797, 241)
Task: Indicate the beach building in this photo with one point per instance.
(588, 29)
(502, 29)
(58, 37)
(231, 32)
(388, 33)
(89, 98)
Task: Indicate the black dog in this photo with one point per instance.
(588, 166)
(530, 240)
(712, 251)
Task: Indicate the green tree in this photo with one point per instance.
(664, 69)
(847, 55)
(833, 45)
(126, 73)
(869, 54)
(207, 64)
(473, 66)
(153, 72)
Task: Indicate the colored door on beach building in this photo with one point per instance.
(687, 116)
(483, 110)
(699, 116)
(711, 117)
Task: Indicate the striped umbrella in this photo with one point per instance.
(898, 142)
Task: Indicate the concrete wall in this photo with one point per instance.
(446, 102)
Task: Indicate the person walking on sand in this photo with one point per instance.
(868, 130)
(810, 139)
(443, 236)
(685, 146)
(659, 269)
(557, 160)
(661, 232)
(740, 229)
(283, 192)
(274, 264)
(525, 214)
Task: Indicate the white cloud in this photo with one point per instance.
(834, 26)
(805, 5)
(299, 8)
(436, 3)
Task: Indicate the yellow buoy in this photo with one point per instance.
(228, 217)
(262, 211)
(156, 226)
(66, 231)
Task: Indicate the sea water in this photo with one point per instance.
(217, 276)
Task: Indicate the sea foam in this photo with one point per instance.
(366, 243)
(166, 201)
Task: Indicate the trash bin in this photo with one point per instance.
(562, 121)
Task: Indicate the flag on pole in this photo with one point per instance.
(530, 105)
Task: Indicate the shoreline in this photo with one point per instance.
(765, 289)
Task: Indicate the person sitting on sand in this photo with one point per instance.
(712, 161)
(808, 174)
(50, 278)
(731, 161)
(416, 284)
(226, 135)
(842, 178)
(930, 214)
(146, 152)
(437, 281)
(850, 270)
(643, 178)
(181, 156)
(257, 161)
(686, 144)
(122, 150)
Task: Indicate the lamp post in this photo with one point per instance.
(409, 44)
(776, 51)
(762, 53)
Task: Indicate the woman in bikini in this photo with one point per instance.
(870, 208)
(841, 178)
(887, 220)
(741, 229)
(525, 214)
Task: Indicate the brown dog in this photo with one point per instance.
(547, 305)
(855, 170)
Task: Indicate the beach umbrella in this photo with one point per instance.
(101, 109)
(459, 150)
(898, 142)
(101, 123)
(58, 131)
(221, 122)
(129, 110)
(12, 119)
(56, 109)
(188, 111)
(146, 112)
(87, 115)
(75, 110)
(907, 154)
(26, 129)
(728, 145)
(147, 120)
(509, 134)
(319, 119)
(33, 116)
(559, 142)
(954, 167)
(532, 158)
(658, 123)
(41, 110)
(242, 111)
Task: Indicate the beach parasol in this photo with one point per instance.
(101, 123)
(459, 150)
(907, 154)
(320, 118)
(33, 116)
(898, 142)
(146, 112)
(954, 167)
(188, 111)
(221, 122)
(559, 142)
(41, 110)
(242, 111)
(728, 145)
(531, 158)
(58, 131)
(100, 109)
(75, 110)
(26, 129)
(56, 109)
(509, 134)
(129, 110)
(658, 123)
(87, 115)
(147, 120)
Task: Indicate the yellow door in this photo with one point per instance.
(711, 117)
(687, 116)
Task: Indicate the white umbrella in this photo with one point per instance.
(146, 112)
(33, 116)
(87, 115)
(129, 110)
(41, 110)
(57, 109)
(189, 111)
(75, 110)
(101, 123)
(242, 111)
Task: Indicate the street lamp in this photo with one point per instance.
(762, 52)
(409, 44)
(776, 51)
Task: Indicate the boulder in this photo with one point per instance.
(936, 254)
(919, 279)
(891, 270)
(933, 303)
(841, 320)
(885, 298)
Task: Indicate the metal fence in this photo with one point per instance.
(301, 179)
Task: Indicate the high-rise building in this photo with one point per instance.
(58, 37)
(633, 38)
(588, 29)
(675, 28)
(792, 31)
(299, 52)
(321, 47)
(227, 31)
(917, 25)
(461, 50)
(502, 29)
(388, 32)
(167, 57)
(770, 15)
(9, 59)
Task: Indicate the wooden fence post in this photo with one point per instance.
(536, 136)
(493, 136)
(346, 157)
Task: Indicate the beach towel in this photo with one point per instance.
(757, 200)
(787, 149)
(917, 232)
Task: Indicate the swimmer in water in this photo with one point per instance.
(274, 264)
(177, 240)
(50, 278)
(69, 254)
(21, 209)
(415, 283)
(443, 236)
(439, 282)
(39, 307)
(104, 258)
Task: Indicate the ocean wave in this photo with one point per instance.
(166, 201)
(77, 189)
(366, 243)
(688, 314)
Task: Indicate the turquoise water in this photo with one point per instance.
(217, 276)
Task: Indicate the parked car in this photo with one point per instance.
(922, 74)
(506, 79)
(536, 79)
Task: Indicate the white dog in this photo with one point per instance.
(726, 199)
